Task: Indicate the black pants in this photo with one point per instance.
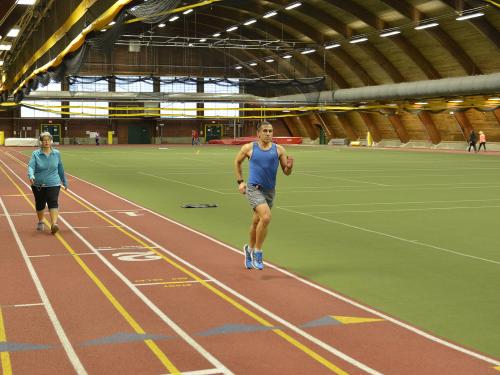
(482, 144)
(46, 195)
(472, 144)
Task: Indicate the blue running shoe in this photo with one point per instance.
(248, 257)
(258, 260)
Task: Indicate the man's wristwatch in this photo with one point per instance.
(239, 181)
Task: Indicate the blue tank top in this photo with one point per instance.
(263, 167)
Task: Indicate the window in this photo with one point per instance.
(89, 84)
(188, 109)
(88, 109)
(40, 113)
(177, 84)
(133, 84)
(222, 86)
(226, 109)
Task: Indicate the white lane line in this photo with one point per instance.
(391, 236)
(68, 348)
(29, 305)
(342, 179)
(389, 203)
(403, 209)
(209, 357)
(312, 285)
(180, 182)
(338, 296)
(241, 297)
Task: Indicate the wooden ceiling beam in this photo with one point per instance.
(399, 127)
(464, 124)
(371, 126)
(430, 127)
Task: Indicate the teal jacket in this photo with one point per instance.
(47, 170)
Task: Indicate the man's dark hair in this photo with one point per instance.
(264, 122)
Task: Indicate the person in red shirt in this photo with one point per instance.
(194, 137)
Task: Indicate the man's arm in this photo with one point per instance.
(238, 161)
(286, 162)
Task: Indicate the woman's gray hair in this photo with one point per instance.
(45, 134)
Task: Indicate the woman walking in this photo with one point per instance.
(46, 174)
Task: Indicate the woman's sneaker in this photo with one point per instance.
(258, 260)
(248, 256)
(40, 226)
(54, 229)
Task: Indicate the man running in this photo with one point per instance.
(263, 156)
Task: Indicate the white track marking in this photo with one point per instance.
(341, 179)
(180, 182)
(416, 242)
(68, 348)
(404, 209)
(201, 372)
(30, 305)
(173, 282)
(389, 203)
(338, 296)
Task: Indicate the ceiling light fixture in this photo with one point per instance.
(162, 25)
(390, 33)
(232, 28)
(238, 67)
(174, 18)
(359, 40)
(292, 6)
(308, 51)
(187, 11)
(14, 32)
(1, 62)
(494, 99)
(455, 101)
(334, 45)
(202, 40)
(269, 60)
(253, 64)
(287, 56)
(249, 22)
(216, 35)
(468, 16)
(421, 103)
(5, 46)
(426, 26)
(26, 2)
(270, 14)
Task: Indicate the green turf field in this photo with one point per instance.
(413, 234)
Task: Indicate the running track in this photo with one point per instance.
(123, 290)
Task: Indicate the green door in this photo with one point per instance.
(322, 136)
(54, 129)
(138, 135)
(213, 132)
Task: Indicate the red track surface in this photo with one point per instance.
(135, 293)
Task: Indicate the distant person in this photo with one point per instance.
(482, 141)
(46, 175)
(97, 139)
(264, 157)
(472, 140)
(194, 137)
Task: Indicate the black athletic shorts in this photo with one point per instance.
(46, 195)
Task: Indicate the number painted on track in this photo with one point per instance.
(137, 256)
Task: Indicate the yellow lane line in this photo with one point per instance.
(216, 291)
(4, 356)
(117, 305)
